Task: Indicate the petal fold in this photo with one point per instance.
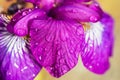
(19, 23)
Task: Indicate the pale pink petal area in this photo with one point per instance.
(56, 44)
(98, 45)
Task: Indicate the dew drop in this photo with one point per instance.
(51, 68)
(19, 11)
(30, 10)
(90, 67)
(93, 19)
(36, 43)
(40, 49)
(36, 7)
(24, 13)
(65, 69)
(98, 64)
(59, 52)
(33, 75)
(36, 29)
(9, 73)
(35, 16)
(47, 48)
(71, 51)
(62, 60)
(20, 32)
(40, 57)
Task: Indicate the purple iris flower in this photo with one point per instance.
(16, 60)
(53, 35)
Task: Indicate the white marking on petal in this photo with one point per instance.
(94, 34)
(15, 56)
(14, 43)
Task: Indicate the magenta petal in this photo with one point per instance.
(16, 61)
(56, 44)
(96, 7)
(20, 21)
(77, 12)
(108, 23)
(98, 45)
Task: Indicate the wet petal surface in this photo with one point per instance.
(56, 44)
(77, 12)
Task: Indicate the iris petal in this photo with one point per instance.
(16, 61)
(78, 12)
(19, 23)
(56, 44)
(98, 45)
(96, 7)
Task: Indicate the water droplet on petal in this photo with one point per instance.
(93, 19)
(30, 10)
(40, 49)
(62, 61)
(33, 75)
(90, 67)
(24, 13)
(40, 58)
(98, 64)
(65, 69)
(9, 73)
(59, 52)
(19, 11)
(71, 51)
(36, 29)
(20, 32)
(36, 43)
(51, 68)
